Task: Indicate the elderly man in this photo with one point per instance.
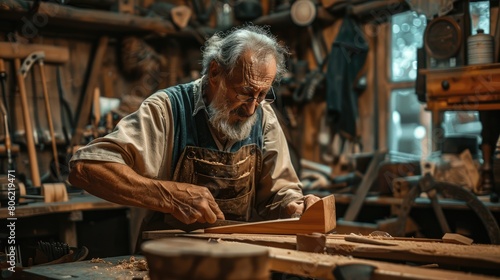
(206, 150)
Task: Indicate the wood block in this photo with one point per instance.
(456, 238)
(314, 243)
(183, 258)
(320, 218)
(54, 192)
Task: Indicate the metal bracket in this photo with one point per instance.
(30, 60)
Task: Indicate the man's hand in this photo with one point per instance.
(191, 203)
(120, 184)
(297, 208)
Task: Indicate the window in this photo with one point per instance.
(407, 132)
(409, 125)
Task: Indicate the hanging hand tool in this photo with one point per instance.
(18, 51)
(35, 173)
(38, 57)
(66, 112)
(3, 81)
(8, 143)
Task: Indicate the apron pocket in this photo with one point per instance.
(224, 187)
(236, 208)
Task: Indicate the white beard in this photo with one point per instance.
(218, 116)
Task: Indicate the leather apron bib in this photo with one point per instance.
(230, 177)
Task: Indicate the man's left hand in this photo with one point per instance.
(297, 208)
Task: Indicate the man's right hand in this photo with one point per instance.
(191, 203)
(118, 183)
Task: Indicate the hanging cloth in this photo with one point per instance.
(347, 57)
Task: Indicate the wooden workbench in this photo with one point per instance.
(76, 202)
(422, 251)
(286, 261)
(71, 212)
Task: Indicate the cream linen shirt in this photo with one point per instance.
(144, 140)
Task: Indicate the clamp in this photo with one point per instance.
(428, 185)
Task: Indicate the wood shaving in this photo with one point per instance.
(209, 162)
(132, 264)
(99, 260)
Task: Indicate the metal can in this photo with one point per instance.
(480, 48)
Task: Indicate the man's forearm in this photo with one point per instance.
(120, 184)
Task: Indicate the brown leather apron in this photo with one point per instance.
(230, 177)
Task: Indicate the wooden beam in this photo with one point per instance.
(56, 15)
(82, 116)
(53, 54)
(363, 188)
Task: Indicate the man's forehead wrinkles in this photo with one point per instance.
(256, 78)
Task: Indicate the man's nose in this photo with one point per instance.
(250, 107)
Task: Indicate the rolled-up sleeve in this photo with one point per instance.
(279, 184)
(139, 140)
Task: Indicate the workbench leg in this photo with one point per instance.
(68, 234)
(67, 229)
(437, 131)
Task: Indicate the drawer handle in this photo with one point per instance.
(445, 85)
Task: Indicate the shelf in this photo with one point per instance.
(62, 16)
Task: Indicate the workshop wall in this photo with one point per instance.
(120, 54)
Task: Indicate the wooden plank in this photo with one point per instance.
(53, 54)
(456, 239)
(363, 188)
(401, 249)
(320, 217)
(321, 266)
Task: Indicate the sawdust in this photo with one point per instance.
(131, 264)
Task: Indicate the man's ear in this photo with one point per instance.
(214, 70)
